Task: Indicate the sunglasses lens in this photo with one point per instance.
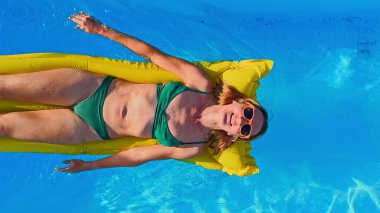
(245, 130)
(248, 113)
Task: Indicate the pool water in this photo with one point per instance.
(320, 154)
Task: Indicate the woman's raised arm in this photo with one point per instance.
(192, 75)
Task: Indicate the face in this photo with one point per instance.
(234, 119)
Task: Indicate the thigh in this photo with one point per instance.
(58, 126)
(63, 87)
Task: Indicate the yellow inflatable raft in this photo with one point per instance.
(243, 75)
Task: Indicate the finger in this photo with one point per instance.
(67, 161)
(81, 13)
(76, 16)
(78, 20)
(65, 169)
(79, 27)
(84, 15)
(60, 169)
(80, 17)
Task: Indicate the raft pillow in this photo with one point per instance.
(244, 76)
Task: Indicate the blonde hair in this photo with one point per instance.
(226, 94)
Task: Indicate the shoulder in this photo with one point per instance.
(161, 152)
(192, 75)
(186, 151)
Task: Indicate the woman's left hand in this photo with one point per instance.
(75, 166)
(87, 23)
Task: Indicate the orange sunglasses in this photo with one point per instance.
(246, 129)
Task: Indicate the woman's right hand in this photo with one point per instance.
(74, 167)
(87, 23)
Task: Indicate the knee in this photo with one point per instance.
(3, 126)
(2, 91)
(3, 87)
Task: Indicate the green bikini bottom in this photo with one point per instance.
(91, 109)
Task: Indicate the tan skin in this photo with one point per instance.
(128, 110)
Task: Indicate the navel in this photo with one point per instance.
(124, 112)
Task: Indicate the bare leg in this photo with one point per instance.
(58, 126)
(63, 87)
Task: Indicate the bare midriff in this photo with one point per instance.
(129, 109)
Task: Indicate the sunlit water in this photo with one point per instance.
(321, 153)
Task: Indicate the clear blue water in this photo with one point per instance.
(321, 153)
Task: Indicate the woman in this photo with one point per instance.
(183, 117)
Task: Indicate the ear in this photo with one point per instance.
(232, 135)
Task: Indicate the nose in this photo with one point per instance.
(244, 121)
(240, 121)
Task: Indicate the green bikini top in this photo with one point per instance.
(165, 94)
